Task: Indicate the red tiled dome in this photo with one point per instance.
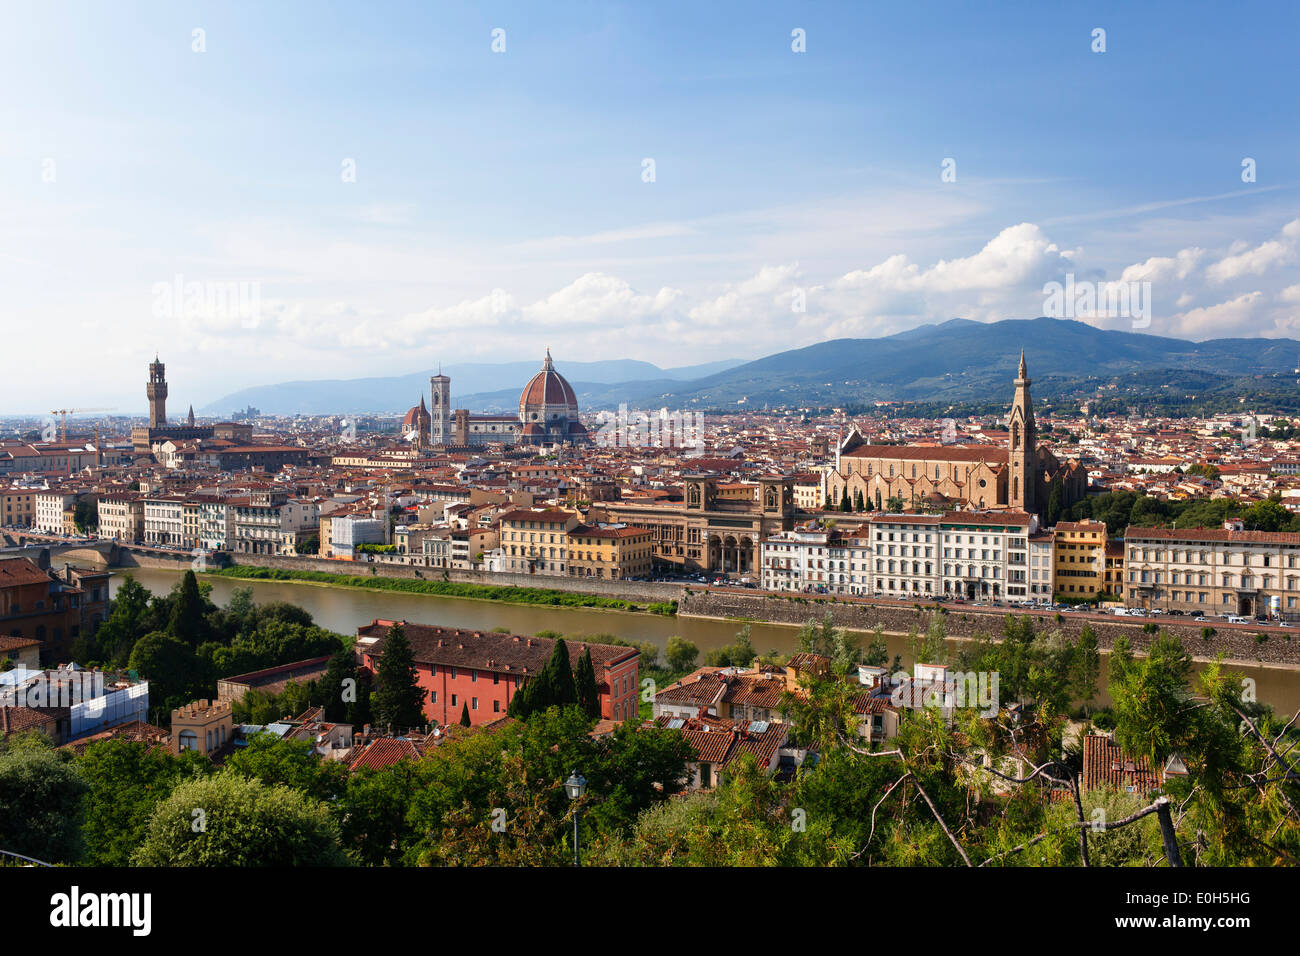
(417, 417)
(547, 387)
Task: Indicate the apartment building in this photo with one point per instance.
(1224, 570)
(51, 509)
(986, 554)
(1042, 566)
(164, 521)
(613, 553)
(535, 540)
(905, 555)
(17, 507)
(815, 559)
(1080, 564)
(121, 516)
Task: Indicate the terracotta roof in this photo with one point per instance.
(490, 650)
(963, 453)
(15, 572)
(1211, 534)
(385, 752)
(1106, 765)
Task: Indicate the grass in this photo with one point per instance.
(456, 589)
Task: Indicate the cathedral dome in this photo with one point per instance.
(548, 397)
(417, 419)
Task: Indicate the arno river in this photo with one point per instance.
(345, 609)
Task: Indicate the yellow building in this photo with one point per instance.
(534, 540)
(17, 507)
(611, 553)
(1080, 565)
(202, 725)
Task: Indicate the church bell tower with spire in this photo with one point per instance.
(1023, 451)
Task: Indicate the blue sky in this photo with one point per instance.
(499, 203)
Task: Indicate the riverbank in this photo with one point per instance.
(964, 622)
(510, 594)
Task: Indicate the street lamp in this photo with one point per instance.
(575, 787)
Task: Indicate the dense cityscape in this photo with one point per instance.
(591, 436)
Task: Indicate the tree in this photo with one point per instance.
(399, 699)
(1054, 503)
(41, 804)
(464, 714)
(86, 515)
(232, 820)
(680, 654)
(337, 689)
(584, 680)
(295, 764)
(858, 503)
(174, 672)
(563, 691)
(127, 780)
(844, 500)
(188, 620)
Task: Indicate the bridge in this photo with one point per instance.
(50, 550)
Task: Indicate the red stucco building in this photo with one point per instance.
(484, 669)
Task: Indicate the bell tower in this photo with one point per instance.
(439, 410)
(157, 392)
(1022, 454)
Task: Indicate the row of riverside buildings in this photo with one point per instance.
(1007, 556)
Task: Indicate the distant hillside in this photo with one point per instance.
(961, 360)
(958, 361)
(400, 392)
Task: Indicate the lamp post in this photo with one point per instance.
(575, 786)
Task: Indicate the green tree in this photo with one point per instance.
(232, 820)
(680, 654)
(584, 680)
(398, 700)
(188, 620)
(41, 803)
(86, 515)
(175, 674)
(337, 689)
(464, 714)
(127, 780)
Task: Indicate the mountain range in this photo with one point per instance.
(955, 361)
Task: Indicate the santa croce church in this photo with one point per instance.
(1018, 477)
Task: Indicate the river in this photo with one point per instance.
(343, 610)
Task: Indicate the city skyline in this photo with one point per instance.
(506, 191)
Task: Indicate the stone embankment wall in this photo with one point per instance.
(967, 622)
(627, 590)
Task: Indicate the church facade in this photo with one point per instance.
(1020, 476)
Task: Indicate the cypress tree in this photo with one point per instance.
(563, 692)
(464, 714)
(399, 701)
(329, 692)
(584, 680)
(187, 621)
(359, 711)
(844, 500)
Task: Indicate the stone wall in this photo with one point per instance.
(966, 622)
(627, 590)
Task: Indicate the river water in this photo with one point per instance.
(343, 610)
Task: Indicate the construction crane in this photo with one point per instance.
(65, 412)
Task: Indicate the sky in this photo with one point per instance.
(271, 192)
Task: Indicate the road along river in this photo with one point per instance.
(343, 610)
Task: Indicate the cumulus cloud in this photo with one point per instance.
(1258, 260)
